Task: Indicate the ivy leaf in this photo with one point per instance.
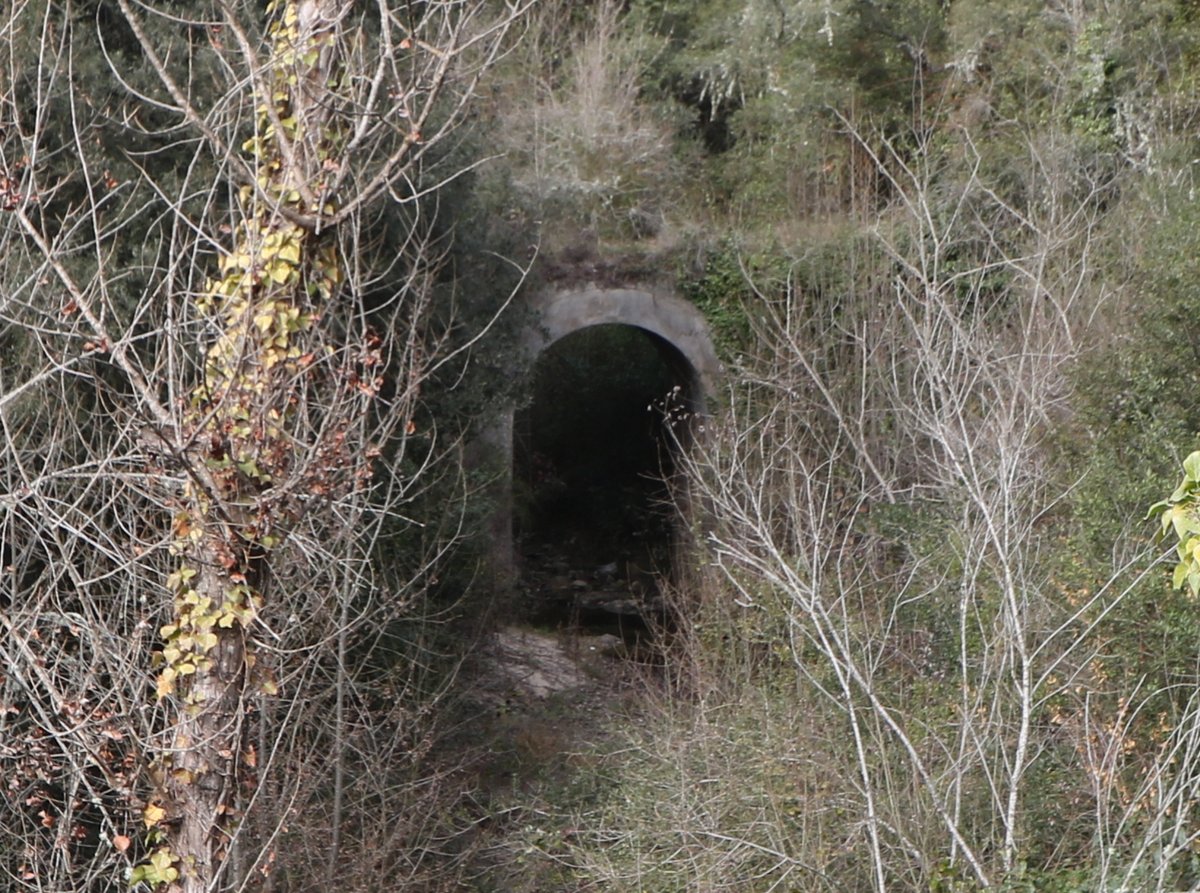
(290, 251)
(152, 816)
(280, 272)
(176, 579)
(161, 860)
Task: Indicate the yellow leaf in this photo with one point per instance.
(153, 815)
(280, 272)
(290, 251)
(264, 321)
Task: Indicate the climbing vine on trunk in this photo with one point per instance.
(263, 379)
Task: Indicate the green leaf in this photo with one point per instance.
(161, 860)
(1181, 572)
(1179, 519)
(1191, 466)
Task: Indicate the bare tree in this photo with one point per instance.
(210, 408)
(961, 372)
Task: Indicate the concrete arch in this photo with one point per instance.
(555, 314)
(674, 320)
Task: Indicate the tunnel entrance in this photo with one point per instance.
(592, 453)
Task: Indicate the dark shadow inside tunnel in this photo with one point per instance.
(592, 453)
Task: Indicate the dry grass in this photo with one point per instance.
(583, 148)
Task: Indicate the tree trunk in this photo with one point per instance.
(205, 752)
(247, 419)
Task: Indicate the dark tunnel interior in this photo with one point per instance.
(592, 451)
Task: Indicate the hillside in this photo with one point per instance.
(882, 611)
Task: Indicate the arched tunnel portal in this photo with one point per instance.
(586, 454)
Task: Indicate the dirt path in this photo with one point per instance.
(544, 698)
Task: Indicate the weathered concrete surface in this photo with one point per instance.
(676, 321)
